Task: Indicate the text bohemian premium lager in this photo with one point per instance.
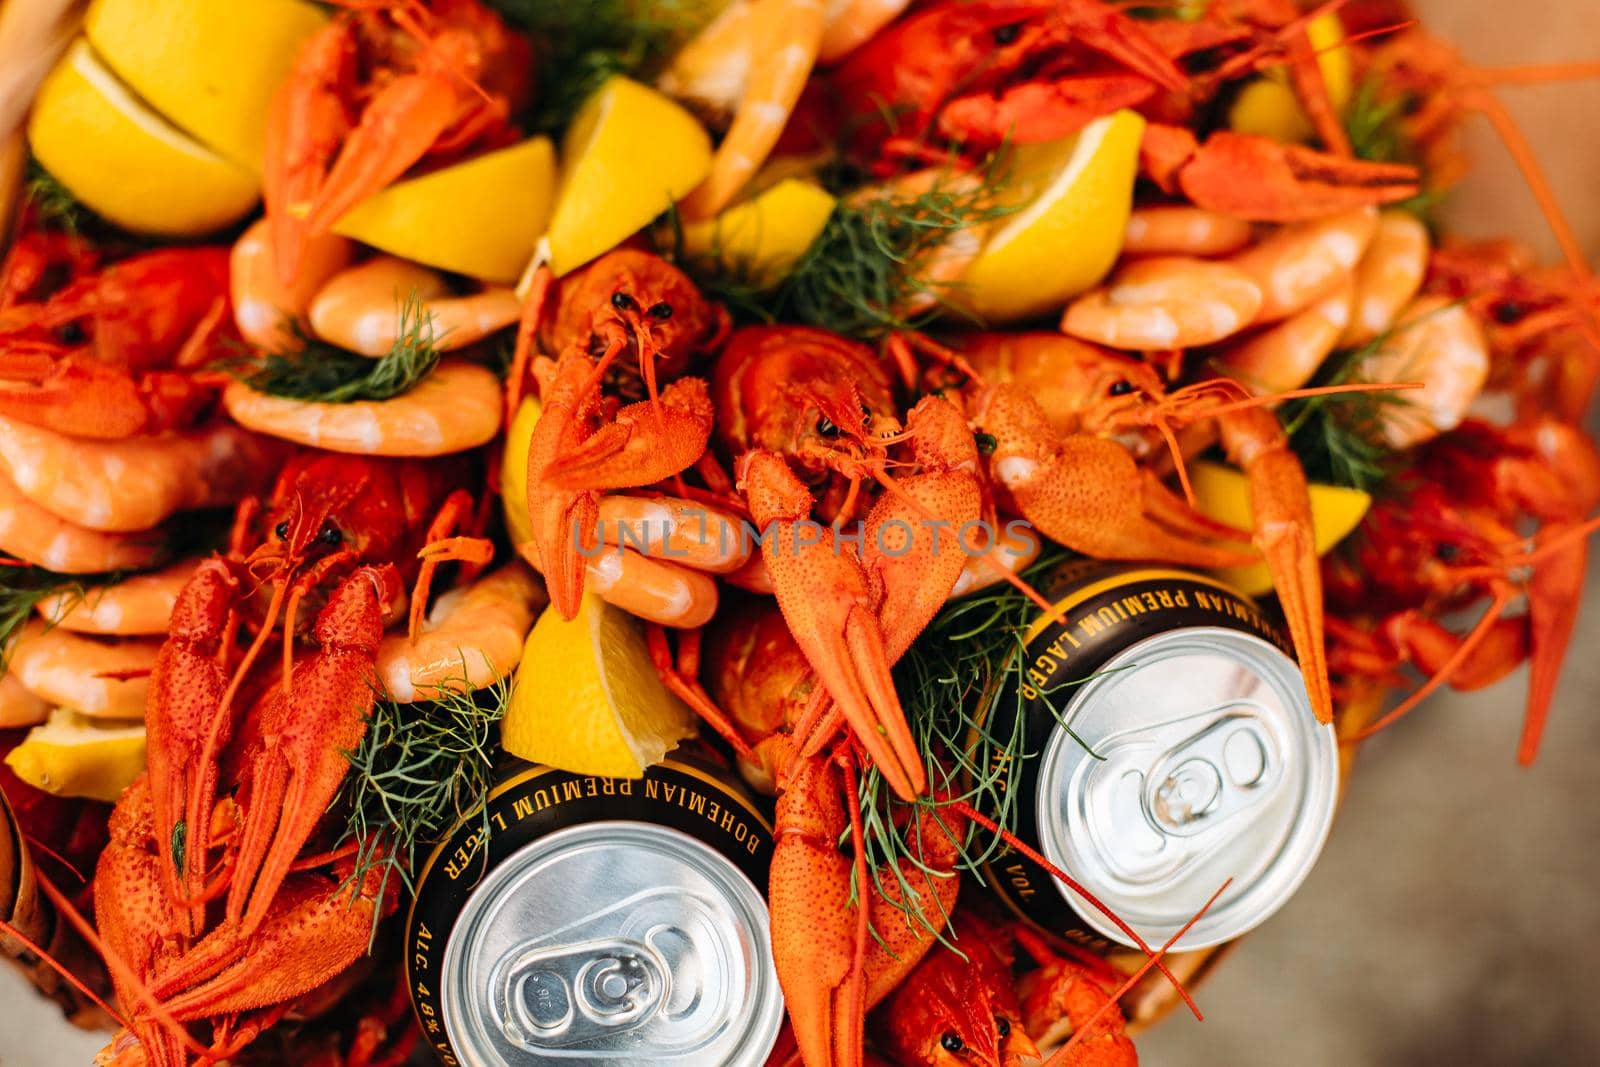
(599, 922)
(1170, 746)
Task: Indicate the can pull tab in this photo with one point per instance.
(1212, 776)
(572, 993)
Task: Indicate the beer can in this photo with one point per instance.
(1168, 745)
(599, 922)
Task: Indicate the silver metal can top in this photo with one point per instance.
(1192, 757)
(610, 944)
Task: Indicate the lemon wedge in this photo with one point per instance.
(629, 153)
(481, 218)
(211, 69)
(1076, 195)
(1269, 107)
(1224, 494)
(587, 698)
(125, 162)
(73, 755)
(761, 239)
(514, 472)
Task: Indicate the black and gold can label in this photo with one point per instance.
(686, 793)
(1108, 608)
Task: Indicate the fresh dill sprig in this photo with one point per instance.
(961, 679)
(21, 589)
(1375, 124)
(53, 203)
(870, 261)
(421, 769)
(324, 373)
(1339, 436)
(581, 43)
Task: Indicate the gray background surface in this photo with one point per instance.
(1452, 919)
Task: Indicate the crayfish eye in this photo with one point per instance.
(624, 302)
(661, 312)
(1447, 552)
(1002, 1026)
(282, 530)
(1508, 312)
(952, 1041)
(826, 427)
(330, 535)
(1121, 387)
(1004, 35)
(71, 333)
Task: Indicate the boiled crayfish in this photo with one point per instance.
(345, 535)
(110, 352)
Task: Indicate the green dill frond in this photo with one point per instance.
(1373, 122)
(870, 261)
(53, 203)
(1339, 436)
(421, 769)
(581, 43)
(21, 589)
(324, 373)
(961, 679)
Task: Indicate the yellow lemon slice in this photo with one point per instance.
(514, 472)
(587, 698)
(210, 68)
(1077, 193)
(480, 218)
(1224, 494)
(629, 153)
(761, 239)
(1269, 107)
(125, 162)
(73, 755)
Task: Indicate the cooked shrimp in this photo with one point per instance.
(1388, 277)
(653, 589)
(1165, 302)
(851, 22)
(1180, 230)
(138, 482)
(1286, 354)
(267, 311)
(1439, 343)
(34, 535)
(471, 638)
(87, 674)
(766, 48)
(455, 408)
(361, 307)
(683, 531)
(140, 605)
(18, 707)
(1305, 261)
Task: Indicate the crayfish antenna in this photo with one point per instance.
(1503, 596)
(538, 293)
(1062, 1055)
(122, 972)
(63, 970)
(1033, 854)
(1186, 405)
